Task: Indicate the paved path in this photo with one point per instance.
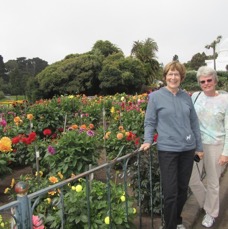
(222, 221)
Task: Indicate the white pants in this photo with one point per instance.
(207, 194)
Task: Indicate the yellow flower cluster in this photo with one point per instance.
(40, 174)
(107, 218)
(5, 145)
(48, 200)
(2, 225)
(77, 188)
(7, 190)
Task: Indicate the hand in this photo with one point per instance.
(223, 160)
(200, 154)
(145, 146)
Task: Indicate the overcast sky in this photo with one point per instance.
(52, 29)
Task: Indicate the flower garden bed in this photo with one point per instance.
(66, 134)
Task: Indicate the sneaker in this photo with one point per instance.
(208, 220)
(181, 226)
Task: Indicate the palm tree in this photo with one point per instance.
(145, 52)
(213, 46)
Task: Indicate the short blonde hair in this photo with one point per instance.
(175, 65)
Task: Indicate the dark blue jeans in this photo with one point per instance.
(176, 169)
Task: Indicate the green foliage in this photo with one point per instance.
(21, 71)
(78, 217)
(2, 95)
(190, 82)
(106, 48)
(73, 142)
(74, 151)
(5, 160)
(198, 60)
(76, 204)
(223, 80)
(72, 75)
(145, 188)
(145, 51)
(121, 74)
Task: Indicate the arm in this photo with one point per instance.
(149, 124)
(224, 157)
(196, 131)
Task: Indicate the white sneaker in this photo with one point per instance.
(181, 226)
(208, 220)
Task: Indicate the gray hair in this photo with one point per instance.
(206, 71)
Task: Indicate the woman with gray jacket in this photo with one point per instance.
(171, 113)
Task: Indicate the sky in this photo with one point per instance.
(53, 29)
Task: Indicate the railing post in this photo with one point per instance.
(22, 213)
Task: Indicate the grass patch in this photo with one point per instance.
(13, 98)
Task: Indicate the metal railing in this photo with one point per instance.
(21, 210)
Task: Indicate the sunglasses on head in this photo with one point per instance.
(204, 81)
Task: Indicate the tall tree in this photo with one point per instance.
(106, 48)
(213, 46)
(145, 51)
(2, 67)
(2, 72)
(120, 74)
(19, 72)
(175, 57)
(76, 74)
(198, 60)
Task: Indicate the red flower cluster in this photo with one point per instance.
(23, 139)
(47, 132)
(132, 137)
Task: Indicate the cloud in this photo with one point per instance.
(53, 29)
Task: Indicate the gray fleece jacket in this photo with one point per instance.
(175, 120)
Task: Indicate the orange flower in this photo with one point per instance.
(17, 120)
(5, 145)
(83, 127)
(74, 127)
(53, 179)
(91, 126)
(119, 136)
(127, 134)
(30, 117)
(107, 135)
(52, 193)
(121, 128)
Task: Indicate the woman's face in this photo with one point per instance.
(173, 79)
(207, 83)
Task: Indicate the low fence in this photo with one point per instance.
(21, 210)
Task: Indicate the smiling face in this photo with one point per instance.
(173, 75)
(207, 78)
(208, 84)
(173, 80)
